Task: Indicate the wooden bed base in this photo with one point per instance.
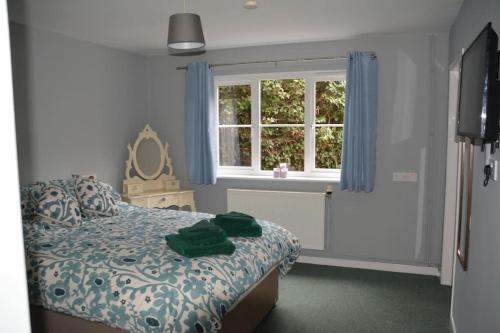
(243, 318)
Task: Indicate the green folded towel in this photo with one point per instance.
(253, 230)
(202, 225)
(238, 224)
(187, 249)
(238, 214)
(203, 232)
(235, 217)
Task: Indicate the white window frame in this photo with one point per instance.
(310, 172)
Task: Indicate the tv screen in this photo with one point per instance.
(478, 113)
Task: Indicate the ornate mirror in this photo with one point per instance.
(148, 157)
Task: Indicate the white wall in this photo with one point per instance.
(78, 105)
(387, 225)
(14, 314)
(476, 292)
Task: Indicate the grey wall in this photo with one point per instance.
(77, 105)
(476, 295)
(386, 225)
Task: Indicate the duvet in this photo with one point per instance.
(119, 271)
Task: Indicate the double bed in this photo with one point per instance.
(115, 274)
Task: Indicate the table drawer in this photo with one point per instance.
(163, 201)
(134, 189)
(143, 202)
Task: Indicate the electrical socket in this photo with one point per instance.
(400, 176)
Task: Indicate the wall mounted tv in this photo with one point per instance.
(479, 105)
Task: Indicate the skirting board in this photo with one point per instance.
(378, 266)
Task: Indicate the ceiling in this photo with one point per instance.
(141, 25)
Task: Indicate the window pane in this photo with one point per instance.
(328, 147)
(235, 147)
(282, 101)
(282, 145)
(235, 105)
(330, 102)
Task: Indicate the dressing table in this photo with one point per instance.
(149, 179)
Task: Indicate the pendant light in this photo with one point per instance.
(185, 32)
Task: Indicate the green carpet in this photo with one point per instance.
(334, 299)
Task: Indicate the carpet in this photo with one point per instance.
(320, 299)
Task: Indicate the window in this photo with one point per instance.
(265, 120)
(282, 123)
(328, 123)
(235, 125)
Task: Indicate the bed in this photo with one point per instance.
(115, 274)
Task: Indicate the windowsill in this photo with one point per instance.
(333, 179)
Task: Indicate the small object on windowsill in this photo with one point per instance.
(329, 189)
(283, 172)
(250, 4)
(276, 173)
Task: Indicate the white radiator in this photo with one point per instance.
(303, 213)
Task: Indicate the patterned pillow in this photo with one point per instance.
(67, 184)
(59, 207)
(27, 207)
(31, 194)
(105, 186)
(114, 193)
(94, 199)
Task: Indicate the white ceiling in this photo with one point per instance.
(141, 25)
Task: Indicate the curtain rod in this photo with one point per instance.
(269, 61)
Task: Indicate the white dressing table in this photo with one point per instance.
(149, 180)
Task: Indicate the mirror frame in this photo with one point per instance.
(137, 165)
(165, 161)
(466, 174)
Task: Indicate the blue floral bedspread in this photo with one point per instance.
(119, 270)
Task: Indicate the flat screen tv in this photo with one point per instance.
(479, 104)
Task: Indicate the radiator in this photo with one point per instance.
(303, 213)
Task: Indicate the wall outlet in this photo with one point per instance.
(400, 176)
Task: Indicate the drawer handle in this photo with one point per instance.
(163, 199)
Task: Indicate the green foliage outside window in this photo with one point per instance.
(282, 102)
(235, 144)
(329, 109)
(235, 105)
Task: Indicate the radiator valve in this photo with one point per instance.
(329, 190)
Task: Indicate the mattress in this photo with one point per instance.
(119, 270)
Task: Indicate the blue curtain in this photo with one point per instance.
(360, 123)
(200, 125)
